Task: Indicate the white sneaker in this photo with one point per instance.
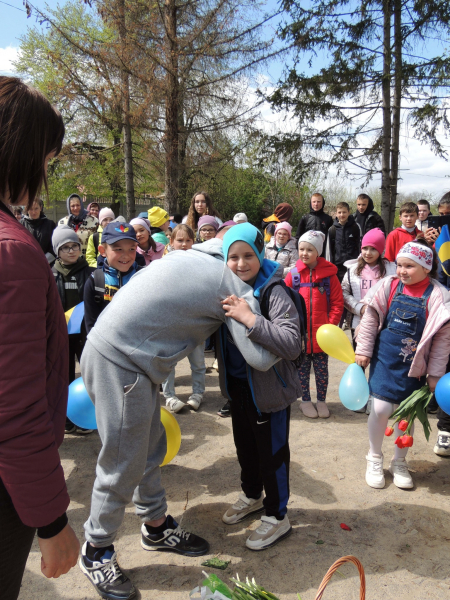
(442, 446)
(195, 400)
(402, 477)
(374, 471)
(243, 508)
(269, 533)
(174, 404)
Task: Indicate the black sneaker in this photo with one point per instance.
(225, 411)
(174, 539)
(83, 431)
(70, 427)
(105, 575)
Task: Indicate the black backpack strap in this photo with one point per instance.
(96, 241)
(99, 285)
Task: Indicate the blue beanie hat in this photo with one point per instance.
(244, 232)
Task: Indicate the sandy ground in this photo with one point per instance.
(401, 537)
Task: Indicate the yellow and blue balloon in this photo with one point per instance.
(353, 389)
(81, 411)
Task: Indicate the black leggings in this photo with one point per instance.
(15, 544)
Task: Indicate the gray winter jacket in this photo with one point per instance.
(278, 387)
(286, 257)
(152, 324)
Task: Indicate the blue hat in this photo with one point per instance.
(114, 232)
(244, 232)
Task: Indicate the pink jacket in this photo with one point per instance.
(149, 255)
(434, 347)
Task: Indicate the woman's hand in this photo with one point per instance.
(362, 361)
(59, 553)
(432, 382)
(239, 310)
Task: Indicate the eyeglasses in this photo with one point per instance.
(68, 249)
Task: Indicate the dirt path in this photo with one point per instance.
(401, 537)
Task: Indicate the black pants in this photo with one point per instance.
(262, 446)
(76, 345)
(15, 544)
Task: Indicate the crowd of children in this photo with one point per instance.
(345, 270)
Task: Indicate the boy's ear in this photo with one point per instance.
(101, 249)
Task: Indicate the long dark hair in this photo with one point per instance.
(381, 262)
(30, 129)
(193, 216)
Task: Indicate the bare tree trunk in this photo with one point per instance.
(126, 126)
(386, 96)
(171, 137)
(395, 152)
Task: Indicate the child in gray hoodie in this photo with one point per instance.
(260, 401)
(129, 352)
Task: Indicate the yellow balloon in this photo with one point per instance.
(173, 435)
(335, 343)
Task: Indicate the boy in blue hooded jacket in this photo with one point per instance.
(260, 400)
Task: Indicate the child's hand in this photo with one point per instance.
(238, 309)
(362, 361)
(432, 382)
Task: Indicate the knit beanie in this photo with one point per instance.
(63, 235)
(139, 221)
(207, 220)
(284, 225)
(244, 232)
(157, 216)
(315, 238)
(376, 239)
(284, 211)
(105, 213)
(242, 217)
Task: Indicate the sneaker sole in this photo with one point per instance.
(379, 486)
(404, 486)
(103, 594)
(441, 451)
(249, 514)
(282, 537)
(167, 549)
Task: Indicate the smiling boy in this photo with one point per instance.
(404, 234)
(118, 247)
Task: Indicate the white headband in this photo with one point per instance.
(420, 254)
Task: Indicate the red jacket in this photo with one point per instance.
(316, 301)
(396, 240)
(33, 377)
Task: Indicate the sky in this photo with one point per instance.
(422, 171)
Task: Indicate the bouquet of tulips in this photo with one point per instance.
(415, 406)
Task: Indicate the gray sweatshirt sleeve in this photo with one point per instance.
(255, 355)
(281, 334)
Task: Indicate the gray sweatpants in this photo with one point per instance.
(133, 446)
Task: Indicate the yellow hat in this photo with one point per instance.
(157, 216)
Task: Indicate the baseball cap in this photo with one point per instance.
(115, 232)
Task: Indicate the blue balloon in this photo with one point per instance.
(442, 393)
(354, 389)
(80, 408)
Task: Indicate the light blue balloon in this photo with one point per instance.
(80, 408)
(442, 393)
(354, 389)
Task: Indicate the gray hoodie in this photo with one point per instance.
(152, 324)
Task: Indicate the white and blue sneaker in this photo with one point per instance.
(105, 574)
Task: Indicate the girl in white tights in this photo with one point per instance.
(405, 336)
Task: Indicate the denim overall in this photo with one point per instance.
(396, 346)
